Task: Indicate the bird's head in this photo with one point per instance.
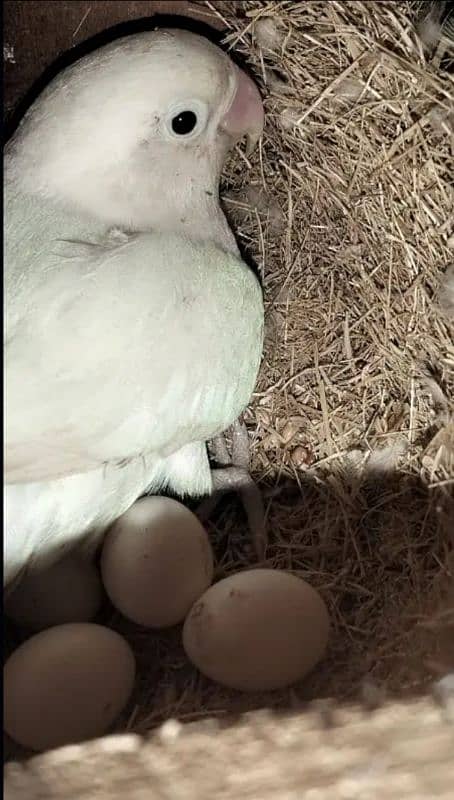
(137, 132)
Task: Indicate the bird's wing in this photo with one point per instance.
(118, 350)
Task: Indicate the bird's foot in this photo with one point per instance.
(232, 475)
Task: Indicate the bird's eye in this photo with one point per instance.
(187, 119)
(184, 123)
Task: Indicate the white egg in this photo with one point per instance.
(66, 684)
(68, 591)
(257, 630)
(156, 562)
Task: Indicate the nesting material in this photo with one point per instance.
(355, 396)
(269, 33)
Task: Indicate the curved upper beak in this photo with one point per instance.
(245, 115)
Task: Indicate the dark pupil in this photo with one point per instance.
(184, 123)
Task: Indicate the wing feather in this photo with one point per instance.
(141, 346)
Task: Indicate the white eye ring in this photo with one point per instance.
(186, 120)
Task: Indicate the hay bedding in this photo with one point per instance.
(347, 210)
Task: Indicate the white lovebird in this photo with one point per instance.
(133, 328)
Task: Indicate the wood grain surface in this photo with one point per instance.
(397, 752)
(37, 32)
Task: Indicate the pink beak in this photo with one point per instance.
(245, 116)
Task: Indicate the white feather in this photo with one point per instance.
(139, 348)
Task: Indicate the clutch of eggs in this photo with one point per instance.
(260, 629)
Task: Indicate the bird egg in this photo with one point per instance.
(66, 684)
(257, 630)
(156, 562)
(67, 591)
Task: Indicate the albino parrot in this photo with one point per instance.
(133, 328)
